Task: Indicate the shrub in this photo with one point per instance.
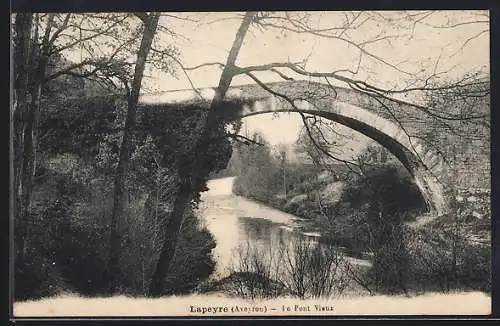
(475, 268)
(444, 260)
(302, 268)
(193, 262)
(67, 248)
(36, 277)
(385, 198)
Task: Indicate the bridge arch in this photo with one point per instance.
(352, 109)
(428, 184)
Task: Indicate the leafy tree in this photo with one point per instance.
(259, 176)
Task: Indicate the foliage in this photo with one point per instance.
(436, 257)
(446, 256)
(388, 198)
(67, 244)
(193, 261)
(70, 234)
(80, 125)
(258, 174)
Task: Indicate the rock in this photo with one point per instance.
(477, 215)
(292, 203)
(297, 199)
(325, 176)
(280, 196)
(332, 192)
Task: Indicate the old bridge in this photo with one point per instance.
(395, 126)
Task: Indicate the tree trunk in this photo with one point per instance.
(39, 59)
(22, 41)
(191, 184)
(113, 271)
(30, 145)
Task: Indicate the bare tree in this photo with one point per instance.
(191, 182)
(385, 28)
(22, 40)
(300, 267)
(150, 22)
(39, 40)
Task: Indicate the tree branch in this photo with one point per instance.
(142, 16)
(304, 120)
(361, 86)
(243, 139)
(184, 69)
(221, 65)
(99, 33)
(60, 29)
(97, 63)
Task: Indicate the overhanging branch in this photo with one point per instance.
(243, 139)
(304, 120)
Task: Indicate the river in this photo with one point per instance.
(236, 221)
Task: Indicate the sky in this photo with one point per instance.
(211, 43)
(419, 49)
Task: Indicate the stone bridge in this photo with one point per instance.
(396, 126)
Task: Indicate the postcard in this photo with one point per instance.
(230, 164)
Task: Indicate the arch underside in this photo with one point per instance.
(426, 181)
(350, 108)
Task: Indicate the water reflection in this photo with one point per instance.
(262, 231)
(265, 233)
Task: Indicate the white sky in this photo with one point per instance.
(418, 50)
(209, 43)
(415, 50)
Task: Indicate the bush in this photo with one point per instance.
(384, 198)
(193, 262)
(302, 268)
(445, 261)
(475, 268)
(254, 273)
(36, 277)
(67, 249)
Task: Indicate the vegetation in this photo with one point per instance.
(67, 247)
(369, 215)
(78, 134)
(299, 267)
(105, 191)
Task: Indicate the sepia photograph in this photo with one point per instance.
(241, 164)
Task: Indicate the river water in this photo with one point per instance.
(236, 221)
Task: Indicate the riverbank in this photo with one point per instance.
(465, 303)
(221, 212)
(313, 219)
(233, 220)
